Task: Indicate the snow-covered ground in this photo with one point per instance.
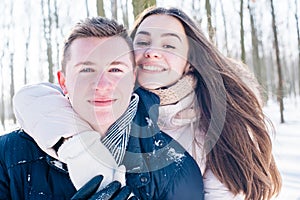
(286, 146)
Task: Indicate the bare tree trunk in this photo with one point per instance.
(255, 52)
(210, 28)
(125, 14)
(265, 66)
(225, 27)
(267, 72)
(87, 8)
(280, 86)
(140, 5)
(114, 9)
(298, 37)
(100, 8)
(289, 73)
(26, 55)
(47, 25)
(243, 54)
(11, 49)
(56, 19)
(12, 87)
(195, 13)
(2, 111)
(49, 46)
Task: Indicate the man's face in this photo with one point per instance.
(99, 79)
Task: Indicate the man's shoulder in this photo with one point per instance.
(15, 137)
(16, 146)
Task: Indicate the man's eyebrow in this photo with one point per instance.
(171, 34)
(119, 63)
(88, 63)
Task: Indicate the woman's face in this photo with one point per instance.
(161, 50)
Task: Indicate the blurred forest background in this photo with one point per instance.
(262, 33)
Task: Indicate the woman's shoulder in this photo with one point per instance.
(215, 189)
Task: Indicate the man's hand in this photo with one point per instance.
(112, 191)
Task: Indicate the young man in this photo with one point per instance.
(111, 127)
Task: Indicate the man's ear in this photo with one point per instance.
(62, 80)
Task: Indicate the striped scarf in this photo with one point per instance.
(117, 135)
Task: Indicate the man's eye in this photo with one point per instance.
(87, 70)
(115, 70)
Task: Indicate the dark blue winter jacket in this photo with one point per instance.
(157, 166)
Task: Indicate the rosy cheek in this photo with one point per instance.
(139, 53)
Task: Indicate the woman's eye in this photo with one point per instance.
(87, 70)
(142, 43)
(168, 46)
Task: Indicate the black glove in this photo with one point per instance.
(112, 191)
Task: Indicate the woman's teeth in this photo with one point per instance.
(153, 68)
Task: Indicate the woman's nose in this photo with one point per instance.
(152, 53)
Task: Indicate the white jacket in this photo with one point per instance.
(177, 120)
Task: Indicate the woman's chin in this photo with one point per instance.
(151, 86)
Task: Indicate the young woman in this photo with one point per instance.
(206, 105)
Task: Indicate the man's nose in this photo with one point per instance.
(104, 82)
(152, 53)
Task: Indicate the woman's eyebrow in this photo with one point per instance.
(171, 34)
(143, 33)
(162, 35)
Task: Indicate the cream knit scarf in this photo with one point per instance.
(176, 92)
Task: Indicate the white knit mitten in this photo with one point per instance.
(87, 157)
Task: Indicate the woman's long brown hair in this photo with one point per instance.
(237, 143)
